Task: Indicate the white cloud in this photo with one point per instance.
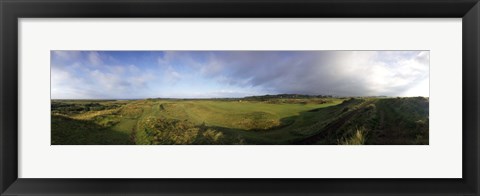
(102, 81)
(95, 58)
(65, 85)
(66, 54)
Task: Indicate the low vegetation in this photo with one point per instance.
(261, 120)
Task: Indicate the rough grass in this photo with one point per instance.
(302, 121)
(358, 138)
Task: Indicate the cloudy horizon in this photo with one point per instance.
(230, 74)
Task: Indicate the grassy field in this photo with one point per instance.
(241, 121)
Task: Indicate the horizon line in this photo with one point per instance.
(313, 96)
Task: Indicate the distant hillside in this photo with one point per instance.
(285, 96)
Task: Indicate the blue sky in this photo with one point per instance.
(215, 74)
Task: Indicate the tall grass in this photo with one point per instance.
(358, 138)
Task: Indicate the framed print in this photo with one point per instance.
(312, 97)
(223, 97)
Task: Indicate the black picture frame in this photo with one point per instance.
(12, 10)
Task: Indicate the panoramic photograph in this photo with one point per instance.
(241, 97)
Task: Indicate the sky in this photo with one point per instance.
(221, 74)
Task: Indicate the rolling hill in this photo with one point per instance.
(274, 120)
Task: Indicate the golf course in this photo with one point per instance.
(259, 120)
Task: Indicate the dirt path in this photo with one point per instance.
(133, 135)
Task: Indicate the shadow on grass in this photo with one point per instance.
(287, 132)
(67, 131)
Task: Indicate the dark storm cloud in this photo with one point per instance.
(343, 73)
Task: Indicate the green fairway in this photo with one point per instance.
(241, 121)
